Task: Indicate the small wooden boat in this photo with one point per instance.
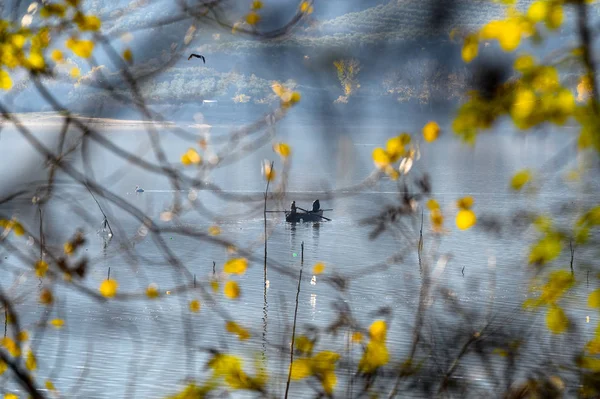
(300, 217)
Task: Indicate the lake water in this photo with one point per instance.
(140, 348)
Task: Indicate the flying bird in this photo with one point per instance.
(197, 56)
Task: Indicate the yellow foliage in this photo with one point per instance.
(11, 346)
(556, 320)
(128, 55)
(10, 396)
(524, 103)
(432, 204)
(357, 337)
(558, 284)
(57, 323)
(282, 149)
(376, 355)
(252, 18)
(305, 7)
(538, 10)
(594, 299)
(431, 131)
(53, 9)
(5, 80)
(236, 329)
(584, 88)
(378, 331)
(520, 179)
(236, 266)
(214, 230)
(46, 297)
(465, 202)
(470, 48)
(318, 268)
(437, 220)
(546, 249)
(232, 290)
(268, 171)
(555, 16)
(49, 385)
(301, 369)
(394, 148)
(194, 306)
(465, 219)
(190, 157)
(87, 22)
(303, 345)
(41, 267)
(108, 288)
(22, 336)
(256, 5)
(75, 72)
(524, 63)
(30, 361)
(3, 367)
(152, 291)
(81, 48)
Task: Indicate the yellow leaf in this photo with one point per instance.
(49, 385)
(3, 367)
(305, 7)
(380, 157)
(282, 149)
(556, 320)
(432, 204)
(555, 16)
(11, 346)
(546, 249)
(41, 267)
(81, 48)
(431, 131)
(318, 268)
(524, 63)
(465, 202)
(303, 345)
(108, 288)
(152, 291)
(278, 89)
(223, 364)
(46, 297)
(75, 72)
(357, 337)
(236, 266)
(191, 156)
(128, 55)
(300, 369)
(470, 48)
(328, 380)
(214, 285)
(378, 331)
(235, 328)
(267, 171)
(23, 336)
(252, 18)
(437, 219)
(465, 219)
(538, 10)
(524, 104)
(30, 361)
(10, 396)
(195, 305)
(232, 290)
(520, 179)
(594, 299)
(5, 80)
(376, 355)
(68, 248)
(88, 23)
(257, 5)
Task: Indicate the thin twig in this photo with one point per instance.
(287, 387)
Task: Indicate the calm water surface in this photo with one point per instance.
(145, 349)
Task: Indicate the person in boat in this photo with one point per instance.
(293, 207)
(316, 206)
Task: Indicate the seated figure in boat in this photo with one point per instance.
(316, 206)
(293, 207)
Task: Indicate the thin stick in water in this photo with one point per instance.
(287, 387)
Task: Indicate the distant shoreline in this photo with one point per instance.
(54, 119)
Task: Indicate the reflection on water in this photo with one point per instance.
(146, 340)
